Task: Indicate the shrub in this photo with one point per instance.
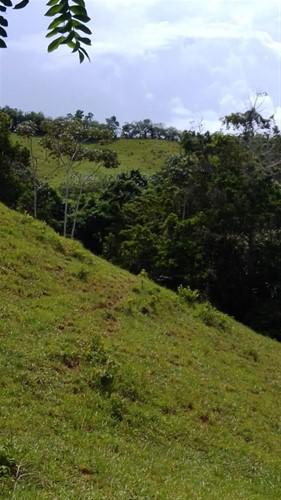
(188, 295)
(105, 369)
(83, 274)
(8, 464)
(211, 316)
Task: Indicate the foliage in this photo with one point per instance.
(103, 215)
(146, 129)
(14, 162)
(70, 19)
(209, 219)
(17, 116)
(211, 316)
(188, 295)
(8, 464)
(65, 139)
(216, 203)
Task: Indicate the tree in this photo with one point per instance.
(65, 140)
(14, 161)
(113, 124)
(211, 220)
(28, 130)
(69, 20)
(17, 116)
(146, 129)
(102, 220)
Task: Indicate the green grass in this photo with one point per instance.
(114, 388)
(146, 155)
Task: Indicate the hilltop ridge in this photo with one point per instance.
(114, 388)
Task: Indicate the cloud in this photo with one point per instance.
(134, 27)
(186, 119)
(174, 62)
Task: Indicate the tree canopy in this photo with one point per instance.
(68, 25)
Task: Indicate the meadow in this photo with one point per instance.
(115, 388)
(146, 155)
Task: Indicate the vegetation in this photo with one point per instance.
(112, 387)
(146, 129)
(147, 156)
(209, 219)
(70, 19)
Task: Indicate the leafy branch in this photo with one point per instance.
(68, 27)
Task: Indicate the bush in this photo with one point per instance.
(105, 369)
(188, 295)
(8, 464)
(211, 316)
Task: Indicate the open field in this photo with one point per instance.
(113, 388)
(146, 155)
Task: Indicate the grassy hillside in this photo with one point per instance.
(112, 388)
(146, 155)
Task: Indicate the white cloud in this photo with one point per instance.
(185, 119)
(135, 27)
(212, 54)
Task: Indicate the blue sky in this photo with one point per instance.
(176, 62)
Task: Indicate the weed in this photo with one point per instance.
(252, 354)
(186, 294)
(211, 316)
(8, 466)
(83, 274)
(118, 407)
(105, 369)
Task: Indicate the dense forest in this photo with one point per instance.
(207, 223)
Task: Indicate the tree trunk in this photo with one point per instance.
(76, 213)
(35, 193)
(66, 209)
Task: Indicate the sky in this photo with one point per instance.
(178, 62)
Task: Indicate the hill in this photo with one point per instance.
(114, 388)
(146, 155)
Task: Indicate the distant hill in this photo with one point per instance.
(113, 388)
(146, 155)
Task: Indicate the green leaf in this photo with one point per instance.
(56, 43)
(80, 11)
(7, 3)
(84, 19)
(21, 5)
(84, 40)
(69, 16)
(69, 37)
(52, 33)
(85, 53)
(54, 10)
(3, 32)
(56, 22)
(3, 21)
(71, 45)
(82, 27)
(81, 56)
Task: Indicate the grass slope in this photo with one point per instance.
(112, 388)
(146, 155)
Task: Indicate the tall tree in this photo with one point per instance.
(65, 139)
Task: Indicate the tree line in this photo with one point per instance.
(111, 129)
